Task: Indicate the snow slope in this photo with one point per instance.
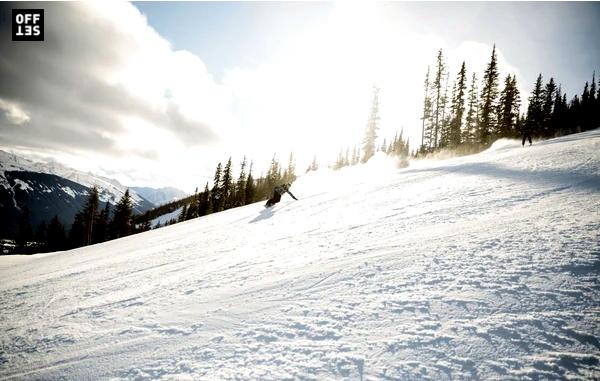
(161, 220)
(480, 267)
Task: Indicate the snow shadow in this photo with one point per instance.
(538, 176)
(264, 214)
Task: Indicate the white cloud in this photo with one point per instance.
(13, 112)
(114, 94)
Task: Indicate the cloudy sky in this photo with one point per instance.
(158, 93)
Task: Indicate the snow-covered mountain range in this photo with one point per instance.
(480, 267)
(160, 196)
(48, 189)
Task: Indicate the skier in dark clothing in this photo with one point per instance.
(278, 192)
(526, 136)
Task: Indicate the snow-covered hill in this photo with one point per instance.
(165, 218)
(481, 267)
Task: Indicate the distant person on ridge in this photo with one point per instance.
(278, 192)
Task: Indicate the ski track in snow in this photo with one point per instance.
(480, 267)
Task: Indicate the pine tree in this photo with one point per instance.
(589, 106)
(101, 225)
(438, 98)
(250, 187)
(488, 110)
(426, 115)
(240, 187)
(596, 112)
(472, 119)
(558, 120)
(593, 88)
(89, 213)
(194, 206)
(273, 175)
(535, 115)
(509, 108)
(217, 200)
(339, 163)
(24, 229)
(41, 233)
(458, 107)
(121, 224)
(204, 203)
(547, 107)
(384, 146)
(372, 127)
(445, 120)
(227, 186)
(56, 235)
(183, 215)
(77, 232)
(290, 172)
(575, 111)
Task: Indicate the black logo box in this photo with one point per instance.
(28, 25)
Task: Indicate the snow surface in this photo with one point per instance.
(166, 217)
(23, 185)
(480, 267)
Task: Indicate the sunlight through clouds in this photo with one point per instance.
(123, 91)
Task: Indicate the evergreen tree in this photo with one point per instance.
(488, 110)
(290, 172)
(575, 111)
(227, 186)
(509, 108)
(548, 94)
(426, 115)
(24, 229)
(445, 120)
(593, 88)
(193, 207)
(56, 235)
(240, 187)
(472, 119)
(250, 191)
(89, 214)
(100, 233)
(558, 120)
(273, 176)
(372, 127)
(121, 224)
(458, 107)
(339, 163)
(41, 234)
(77, 232)
(183, 215)
(596, 112)
(535, 115)
(437, 99)
(204, 203)
(355, 156)
(589, 117)
(145, 226)
(216, 194)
